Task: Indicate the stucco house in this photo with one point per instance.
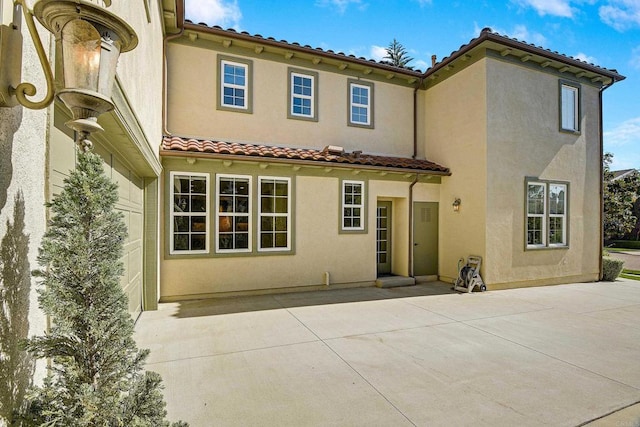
(289, 167)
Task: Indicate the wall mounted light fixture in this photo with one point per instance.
(89, 39)
(456, 204)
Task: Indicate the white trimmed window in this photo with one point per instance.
(546, 214)
(189, 225)
(360, 103)
(234, 84)
(274, 224)
(569, 107)
(302, 93)
(233, 213)
(352, 205)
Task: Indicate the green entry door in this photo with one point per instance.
(425, 238)
(383, 238)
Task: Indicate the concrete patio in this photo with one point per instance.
(560, 355)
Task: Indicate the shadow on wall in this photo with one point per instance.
(10, 119)
(16, 366)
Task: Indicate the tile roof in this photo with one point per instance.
(221, 149)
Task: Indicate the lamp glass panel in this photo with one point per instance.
(111, 47)
(80, 55)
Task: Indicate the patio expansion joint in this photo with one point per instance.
(478, 318)
(551, 356)
(373, 387)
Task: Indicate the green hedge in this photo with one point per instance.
(627, 244)
(611, 268)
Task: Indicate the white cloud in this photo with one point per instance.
(621, 14)
(561, 8)
(627, 132)
(585, 58)
(377, 52)
(214, 12)
(424, 2)
(419, 64)
(339, 5)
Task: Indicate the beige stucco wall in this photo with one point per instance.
(455, 135)
(319, 246)
(140, 71)
(524, 141)
(193, 90)
(23, 151)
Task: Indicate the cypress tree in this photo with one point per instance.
(96, 376)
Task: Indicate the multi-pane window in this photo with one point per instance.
(189, 212)
(274, 225)
(233, 216)
(234, 84)
(546, 214)
(360, 103)
(234, 79)
(352, 205)
(301, 95)
(569, 107)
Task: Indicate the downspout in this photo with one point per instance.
(415, 181)
(601, 270)
(165, 43)
(415, 117)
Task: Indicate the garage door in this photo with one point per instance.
(130, 203)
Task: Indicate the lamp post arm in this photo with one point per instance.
(27, 89)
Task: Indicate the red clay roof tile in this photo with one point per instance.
(221, 149)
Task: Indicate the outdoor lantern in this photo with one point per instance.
(89, 40)
(456, 204)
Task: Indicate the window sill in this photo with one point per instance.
(549, 247)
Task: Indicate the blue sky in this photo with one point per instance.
(603, 32)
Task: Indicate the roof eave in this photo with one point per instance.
(314, 163)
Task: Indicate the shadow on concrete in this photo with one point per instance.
(16, 366)
(230, 305)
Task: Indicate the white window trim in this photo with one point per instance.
(309, 97)
(270, 214)
(173, 213)
(543, 215)
(563, 216)
(355, 104)
(248, 214)
(345, 205)
(575, 126)
(224, 85)
(547, 215)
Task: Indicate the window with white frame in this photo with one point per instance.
(235, 84)
(189, 225)
(302, 94)
(569, 107)
(274, 224)
(233, 213)
(546, 214)
(352, 205)
(360, 103)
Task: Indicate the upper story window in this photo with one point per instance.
(189, 224)
(569, 107)
(546, 214)
(233, 213)
(302, 95)
(360, 103)
(352, 205)
(235, 84)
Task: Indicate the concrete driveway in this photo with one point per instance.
(560, 355)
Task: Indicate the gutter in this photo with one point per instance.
(415, 117)
(165, 42)
(601, 250)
